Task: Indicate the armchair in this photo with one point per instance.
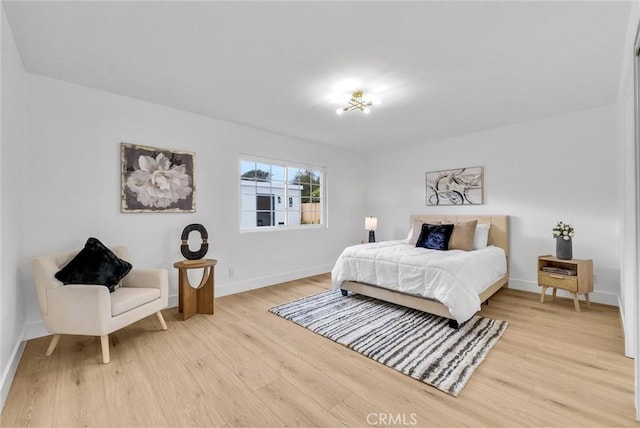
(90, 309)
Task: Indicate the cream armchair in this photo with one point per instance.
(90, 309)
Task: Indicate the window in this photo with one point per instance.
(279, 194)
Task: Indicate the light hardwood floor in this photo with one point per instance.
(244, 366)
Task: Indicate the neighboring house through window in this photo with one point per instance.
(280, 194)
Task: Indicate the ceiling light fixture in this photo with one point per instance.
(357, 103)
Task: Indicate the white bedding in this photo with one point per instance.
(453, 277)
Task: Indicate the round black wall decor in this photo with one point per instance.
(204, 247)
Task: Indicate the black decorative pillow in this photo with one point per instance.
(94, 264)
(435, 236)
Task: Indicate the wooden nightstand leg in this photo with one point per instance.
(544, 290)
(586, 298)
(554, 294)
(576, 303)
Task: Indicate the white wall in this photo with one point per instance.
(12, 163)
(629, 185)
(627, 201)
(538, 173)
(73, 187)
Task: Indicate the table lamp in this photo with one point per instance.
(371, 224)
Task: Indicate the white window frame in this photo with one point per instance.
(285, 197)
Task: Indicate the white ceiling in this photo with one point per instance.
(441, 68)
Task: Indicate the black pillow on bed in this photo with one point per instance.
(94, 264)
(435, 236)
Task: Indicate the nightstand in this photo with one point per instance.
(575, 276)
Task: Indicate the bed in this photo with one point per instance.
(464, 295)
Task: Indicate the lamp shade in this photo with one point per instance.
(371, 223)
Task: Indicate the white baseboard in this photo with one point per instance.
(603, 297)
(10, 371)
(265, 281)
(35, 329)
(629, 339)
(173, 301)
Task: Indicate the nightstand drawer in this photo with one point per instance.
(558, 281)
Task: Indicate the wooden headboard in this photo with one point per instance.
(498, 233)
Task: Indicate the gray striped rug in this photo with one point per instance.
(415, 343)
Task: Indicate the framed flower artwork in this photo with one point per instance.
(157, 180)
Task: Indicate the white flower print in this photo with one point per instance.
(157, 183)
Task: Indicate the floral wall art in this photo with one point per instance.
(461, 186)
(157, 180)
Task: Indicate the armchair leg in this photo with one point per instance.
(53, 344)
(161, 319)
(104, 342)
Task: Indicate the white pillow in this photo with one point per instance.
(481, 236)
(410, 234)
(416, 229)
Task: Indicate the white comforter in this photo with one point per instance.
(453, 277)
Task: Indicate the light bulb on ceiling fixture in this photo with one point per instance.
(366, 110)
(339, 111)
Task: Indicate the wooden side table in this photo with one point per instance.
(580, 283)
(197, 300)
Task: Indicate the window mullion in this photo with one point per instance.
(286, 196)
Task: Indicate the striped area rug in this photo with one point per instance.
(415, 343)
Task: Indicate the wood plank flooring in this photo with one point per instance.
(244, 366)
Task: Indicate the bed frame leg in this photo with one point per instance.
(486, 302)
(454, 324)
(344, 292)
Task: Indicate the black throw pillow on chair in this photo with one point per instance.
(94, 264)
